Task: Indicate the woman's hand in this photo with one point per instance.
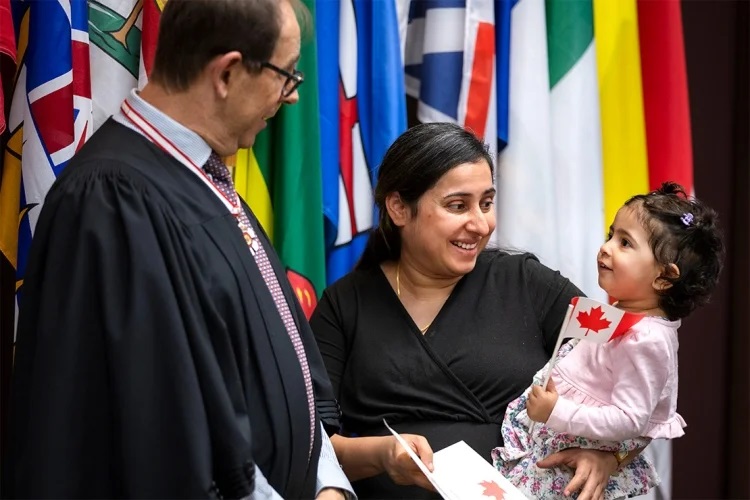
(399, 465)
(592, 470)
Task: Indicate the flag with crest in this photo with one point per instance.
(280, 179)
(50, 115)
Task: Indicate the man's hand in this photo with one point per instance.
(399, 465)
(540, 404)
(331, 494)
(592, 470)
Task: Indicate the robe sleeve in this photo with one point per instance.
(106, 399)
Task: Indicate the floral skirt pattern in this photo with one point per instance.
(517, 459)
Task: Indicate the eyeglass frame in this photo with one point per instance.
(297, 77)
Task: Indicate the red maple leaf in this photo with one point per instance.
(492, 489)
(593, 320)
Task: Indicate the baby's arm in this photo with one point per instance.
(640, 369)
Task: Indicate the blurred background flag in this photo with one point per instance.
(115, 44)
(434, 57)
(665, 94)
(7, 59)
(50, 115)
(449, 64)
(575, 141)
(625, 165)
(280, 178)
(362, 112)
(526, 182)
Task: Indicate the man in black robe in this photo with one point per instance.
(161, 353)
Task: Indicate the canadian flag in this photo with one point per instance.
(597, 322)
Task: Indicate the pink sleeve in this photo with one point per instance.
(640, 370)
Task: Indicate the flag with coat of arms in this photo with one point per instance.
(50, 115)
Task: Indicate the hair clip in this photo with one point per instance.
(687, 218)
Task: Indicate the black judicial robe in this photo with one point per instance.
(151, 361)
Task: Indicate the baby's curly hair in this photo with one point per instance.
(683, 231)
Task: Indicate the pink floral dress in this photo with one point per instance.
(517, 459)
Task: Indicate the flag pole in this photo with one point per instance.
(551, 363)
(560, 337)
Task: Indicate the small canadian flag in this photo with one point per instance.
(597, 322)
(594, 321)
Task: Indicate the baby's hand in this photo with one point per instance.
(540, 404)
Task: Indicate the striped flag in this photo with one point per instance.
(50, 115)
(502, 64)
(665, 94)
(575, 140)
(7, 58)
(151, 13)
(449, 64)
(282, 184)
(434, 58)
(623, 130)
(477, 109)
(550, 199)
(668, 139)
(363, 111)
(7, 205)
(526, 197)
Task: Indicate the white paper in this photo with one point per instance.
(461, 470)
(445, 494)
(460, 473)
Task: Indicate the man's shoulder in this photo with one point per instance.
(112, 141)
(116, 154)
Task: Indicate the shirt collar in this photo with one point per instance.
(190, 143)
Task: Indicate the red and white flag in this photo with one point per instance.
(594, 321)
(598, 322)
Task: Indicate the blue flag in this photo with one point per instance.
(363, 110)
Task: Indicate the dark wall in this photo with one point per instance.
(711, 460)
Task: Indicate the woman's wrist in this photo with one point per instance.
(386, 453)
(363, 457)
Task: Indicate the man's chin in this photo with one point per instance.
(249, 139)
(247, 142)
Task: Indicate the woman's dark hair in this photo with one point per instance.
(413, 164)
(683, 231)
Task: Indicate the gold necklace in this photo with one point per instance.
(398, 293)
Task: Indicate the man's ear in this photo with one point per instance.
(397, 209)
(221, 69)
(662, 282)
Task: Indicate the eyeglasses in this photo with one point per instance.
(293, 80)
